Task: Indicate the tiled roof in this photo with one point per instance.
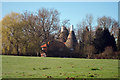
(45, 45)
(71, 40)
(63, 35)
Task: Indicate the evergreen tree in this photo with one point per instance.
(118, 41)
(99, 41)
(113, 43)
(103, 38)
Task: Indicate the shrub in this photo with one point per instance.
(95, 69)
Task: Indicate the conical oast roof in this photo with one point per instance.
(63, 34)
(71, 40)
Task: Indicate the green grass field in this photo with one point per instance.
(42, 67)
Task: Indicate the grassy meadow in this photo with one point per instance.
(43, 67)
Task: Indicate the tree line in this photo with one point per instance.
(100, 42)
(23, 34)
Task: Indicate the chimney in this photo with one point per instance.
(62, 28)
(71, 28)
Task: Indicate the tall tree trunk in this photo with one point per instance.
(26, 50)
(17, 48)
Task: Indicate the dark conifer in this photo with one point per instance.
(118, 41)
(103, 38)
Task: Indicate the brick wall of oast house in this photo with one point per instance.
(44, 47)
(56, 49)
(54, 45)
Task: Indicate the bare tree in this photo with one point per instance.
(108, 22)
(89, 21)
(40, 27)
(66, 23)
(80, 28)
(48, 21)
(32, 33)
(85, 35)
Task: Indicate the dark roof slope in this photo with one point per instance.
(63, 35)
(71, 40)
